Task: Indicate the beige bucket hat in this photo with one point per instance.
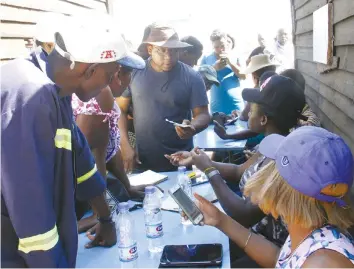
(258, 62)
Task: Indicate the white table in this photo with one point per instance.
(174, 234)
(210, 141)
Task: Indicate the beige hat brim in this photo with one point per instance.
(252, 68)
(172, 44)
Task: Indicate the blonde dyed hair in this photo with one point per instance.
(275, 196)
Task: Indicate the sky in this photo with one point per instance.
(243, 19)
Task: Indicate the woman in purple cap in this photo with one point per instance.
(307, 185)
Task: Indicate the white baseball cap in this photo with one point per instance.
(81, 40)
(46, 26)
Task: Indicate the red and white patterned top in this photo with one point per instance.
(92, 108)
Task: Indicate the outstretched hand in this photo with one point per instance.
(220, 130)
(212, 216)
(180, 158)
(186, 132)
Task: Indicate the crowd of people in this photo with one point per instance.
(85, 109)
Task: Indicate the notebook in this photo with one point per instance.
(147, 178)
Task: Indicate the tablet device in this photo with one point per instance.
(191, 255)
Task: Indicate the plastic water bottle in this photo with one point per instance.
(186, 185)
(153, 220)
(128, 251)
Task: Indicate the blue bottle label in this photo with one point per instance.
(127, 254)
(154, 231)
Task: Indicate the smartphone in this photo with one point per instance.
(176, 124)
(191, 255)
(186, 204)
(231, 121)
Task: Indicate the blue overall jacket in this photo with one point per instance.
(45, 162)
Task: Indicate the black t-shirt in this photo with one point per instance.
(157, 96)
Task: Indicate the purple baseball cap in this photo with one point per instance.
(310, 159)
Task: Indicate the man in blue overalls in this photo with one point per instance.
(46, 160)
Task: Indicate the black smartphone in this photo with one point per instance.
(191, 255)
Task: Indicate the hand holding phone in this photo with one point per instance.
(231, 121)
(177, 124)
(212, 216)
(186, 204)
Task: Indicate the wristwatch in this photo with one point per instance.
(212, 173)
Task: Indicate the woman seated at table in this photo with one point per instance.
(259, 65)
(275, 109)
(98, 120)
(306, 184)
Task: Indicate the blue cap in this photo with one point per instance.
(209, 73)
(123, 206)
(150, 189)
(133, 61)
(310, 159)
(265, 76)
(182, 169)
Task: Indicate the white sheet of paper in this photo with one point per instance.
(169, 204)
(148, 178)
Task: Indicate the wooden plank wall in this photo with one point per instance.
(331, 95)
(19, 17)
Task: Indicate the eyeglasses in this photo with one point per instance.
(166, 51)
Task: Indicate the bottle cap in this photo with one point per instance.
(182, 169)
(123, 206)
(150, 190)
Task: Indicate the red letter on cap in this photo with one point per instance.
(108, 54)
